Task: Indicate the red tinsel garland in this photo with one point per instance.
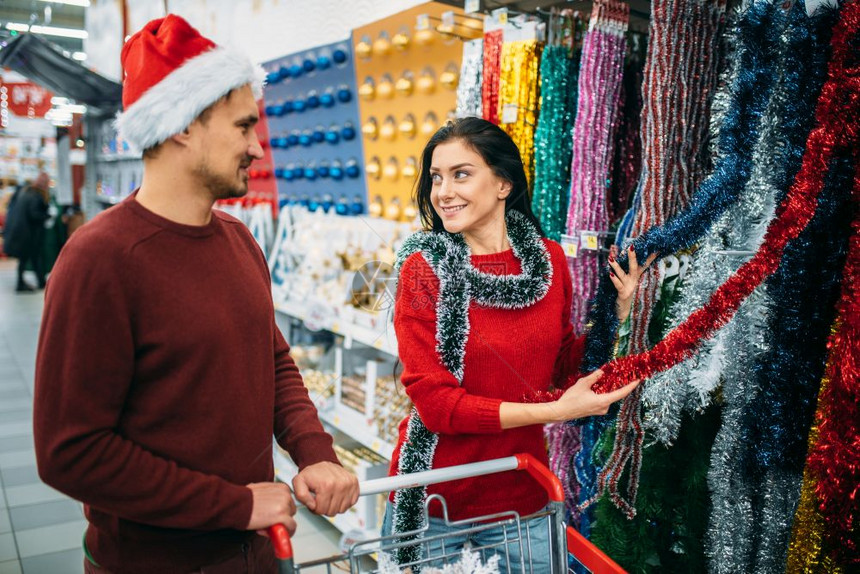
(491, 75)
(834, 460)
(837, 130)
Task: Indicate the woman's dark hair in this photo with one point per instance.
(498, 151)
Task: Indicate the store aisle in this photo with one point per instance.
(40, 528)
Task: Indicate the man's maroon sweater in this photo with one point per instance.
(160, 379)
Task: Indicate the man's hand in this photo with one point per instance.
(326, 488)
(273, 504)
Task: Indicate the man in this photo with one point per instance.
(25, 230)
(161, 375)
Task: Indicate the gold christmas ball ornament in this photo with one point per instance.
(392, 210)
(426, 84)
(450, 77)
(375, 208)
(382, 45)
(388, 129)
(407, 126)
(410, 168)
(391, 171)
(405, 84)
(373, 169)
(367, 90)
(385, 89)
(370, 129)
(410, 212)
(401, 40)
(364, 49)
(429, 125)
(425, 37)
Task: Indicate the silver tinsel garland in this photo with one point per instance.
(471, 78)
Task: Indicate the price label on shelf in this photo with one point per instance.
(570, 246)
(422, 22)
(375, 446)
(472, 6)
(500, 15)
(589, 240)
(336, 420)
(509, 114)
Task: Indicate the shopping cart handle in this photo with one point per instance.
(283, 548)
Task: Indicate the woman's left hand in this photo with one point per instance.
(626, 283)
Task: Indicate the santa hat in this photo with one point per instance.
(172, 74)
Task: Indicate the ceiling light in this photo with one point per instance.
(81, 3)
(47, 30)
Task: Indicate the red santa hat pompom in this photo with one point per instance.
(171, 74)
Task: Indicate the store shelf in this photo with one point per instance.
(355, 325)
(354, 425)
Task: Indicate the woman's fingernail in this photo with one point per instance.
(630, 248)
(611, 274)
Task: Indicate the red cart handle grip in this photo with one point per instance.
(281, 541)
(542, 475)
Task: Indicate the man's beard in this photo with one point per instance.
(219, 186)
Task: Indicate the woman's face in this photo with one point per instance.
(466, 194)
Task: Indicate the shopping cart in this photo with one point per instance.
(519, 538)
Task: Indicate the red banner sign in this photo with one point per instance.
(26, 99)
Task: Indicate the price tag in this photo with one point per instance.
(336, 420)
(422, 22)
(377, 343)
(589, 240)
(570, 246)
(375, 445)
(509, 113)
(335, 327)
(500, 15)
(472, 6)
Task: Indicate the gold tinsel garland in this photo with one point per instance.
(519, 89)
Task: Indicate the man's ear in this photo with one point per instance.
(183, 138)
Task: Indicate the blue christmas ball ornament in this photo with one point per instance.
(310, 173)
(352, 170)
(344, 95)
(299, 172)
(283, 142)
(304, 201)
(336, 172)
(284, 72)
(348, 132)
(313, 101)
(332, 136)
(323, 63)
(296, 71)
(286, 107)
(342, 207)
(327, 100)
(270, 110)
(306, 140)
(313, 204)
(274, 142)
(293, 139)
(357, 206)
(299, 106)
(323, 171)
(273, 77)
(319, 135)
(279, 172)
(309, 65)
(288, 173)
(339, 56)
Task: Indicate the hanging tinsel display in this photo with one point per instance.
(490, 70)
(627, 164)
(552, 145)
(837, 133)
(471, 75)
(519, 97)
(603, 50)
(825, 538)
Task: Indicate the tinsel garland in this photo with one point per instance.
(826, 528)
(519, 87)
(627, 164)
(460, 284)
(758, 35)
(776, 159)
(490, 70)
(471, 74)
(552, 144)
(836, 132)
(601, 68)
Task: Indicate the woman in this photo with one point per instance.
(25, 230)
(482, 317)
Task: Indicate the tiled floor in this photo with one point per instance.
(40, 528)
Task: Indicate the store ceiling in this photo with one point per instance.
(640, 10)
(34, 12)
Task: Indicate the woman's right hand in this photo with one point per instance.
(580, 401)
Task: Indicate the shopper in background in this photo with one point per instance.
(24, 234)
(482, 317)
(161, 375)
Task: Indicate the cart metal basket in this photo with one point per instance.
(520, 541)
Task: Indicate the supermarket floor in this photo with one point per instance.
(41, 529)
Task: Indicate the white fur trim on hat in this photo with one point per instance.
(176, 101)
